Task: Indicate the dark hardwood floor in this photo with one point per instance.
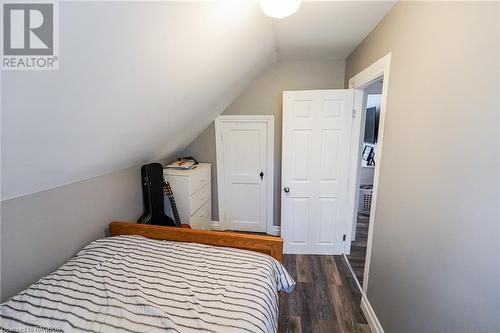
(358, 248)
(325, 299)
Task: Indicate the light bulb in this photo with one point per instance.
(279, 8)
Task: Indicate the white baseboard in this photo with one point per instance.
(353, 275)
(216, 225)
(275, 231)
(366, 307)
(370, 315)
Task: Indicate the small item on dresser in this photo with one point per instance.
(152, 196)
(184, 163)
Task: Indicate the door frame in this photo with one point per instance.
(269, 121)
(375, 71)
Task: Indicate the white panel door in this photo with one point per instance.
(244, 150)
(317, 126)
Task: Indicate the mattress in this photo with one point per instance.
(135, 284)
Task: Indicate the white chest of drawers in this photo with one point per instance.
(192, 193)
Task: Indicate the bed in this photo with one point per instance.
(152, 279)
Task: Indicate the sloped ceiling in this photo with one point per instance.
(139, 80)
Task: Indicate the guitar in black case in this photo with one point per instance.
(152, 196)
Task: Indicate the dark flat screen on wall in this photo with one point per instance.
(371, 125)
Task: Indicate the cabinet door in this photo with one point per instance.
(244, 175)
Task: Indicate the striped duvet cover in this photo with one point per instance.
(135, 284)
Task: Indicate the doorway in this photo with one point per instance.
(245, 156)
(372, 98)
(377, 73)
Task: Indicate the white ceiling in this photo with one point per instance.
(327, 29)
(142, 80)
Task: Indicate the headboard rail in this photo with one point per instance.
(270, 245)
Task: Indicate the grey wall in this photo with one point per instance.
(42, 231)
(435, 262)
(264, 97)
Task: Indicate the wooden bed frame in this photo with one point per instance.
(270, 245)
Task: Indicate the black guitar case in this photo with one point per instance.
(152, 196)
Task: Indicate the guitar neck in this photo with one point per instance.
(175, 212)
(168, 192)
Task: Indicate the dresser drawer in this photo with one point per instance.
(202, 218)
(192, 191)
(200, 197)
(199, 178)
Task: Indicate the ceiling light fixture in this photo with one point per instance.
(279, 8)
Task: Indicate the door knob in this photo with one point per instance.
(261, 175)
(286, 189)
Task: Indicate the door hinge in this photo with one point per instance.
(354, 113)
(344, 237)
(222, 137)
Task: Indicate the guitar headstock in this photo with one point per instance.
(167, 189)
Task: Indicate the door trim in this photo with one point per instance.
(373, 72)
(269, 120)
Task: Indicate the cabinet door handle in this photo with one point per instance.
(286, 189)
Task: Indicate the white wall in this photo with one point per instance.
(366, 175)
(373, 100)
(132, 78)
